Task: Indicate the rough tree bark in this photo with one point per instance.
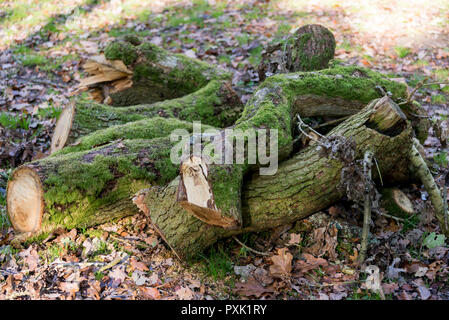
(302, 186)
(310, 48)
(157, 73)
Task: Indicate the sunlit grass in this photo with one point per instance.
(25, 17)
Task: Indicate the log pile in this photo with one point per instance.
(111, 159)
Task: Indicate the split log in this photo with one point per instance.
(158, 74)
(216, 104)
(302, 185)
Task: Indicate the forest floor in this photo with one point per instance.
(43, 45)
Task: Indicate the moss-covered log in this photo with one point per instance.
(86, 188)
(216, 104)
(151, 128)
(89, 187)
(302, 185)
(275, 104)
(158, 74)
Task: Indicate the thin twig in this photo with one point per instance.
(410, 95)
(112, 263)
(250, 249)
(378, 170)
(330, 122)
(301, 123)
(390, 216)
(367, 163)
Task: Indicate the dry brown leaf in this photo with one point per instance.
(282, 263)
(30, 257)
(185, 293)
(138, 265)
(118, 274)
(310, 263)
(325, 242)
(295, 238)
(150, 293)
(252, 288)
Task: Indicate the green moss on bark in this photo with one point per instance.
(213, 105)
(163, 74)
(143, 129)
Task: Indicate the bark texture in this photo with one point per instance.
(123, 149)
(216, 104)
(303, 185)
(310, 48)
(157, 73)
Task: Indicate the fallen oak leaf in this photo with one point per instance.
(310, 263)
(138, 265)
(252, 288)
(282, 263)
(150, 293)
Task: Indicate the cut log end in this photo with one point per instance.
(62, 128)
(195, 194)
(25, 201)
(397, 203)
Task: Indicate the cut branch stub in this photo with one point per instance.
(314, 48)
(63, 128)
(196, 196)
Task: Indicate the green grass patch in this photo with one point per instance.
(255, 56)
(402, 52)
(438, 99)
(49, 113)
(217, 262)
(10, 121)
(441, 159)
(441, 74)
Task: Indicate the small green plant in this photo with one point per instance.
(224, 59)
(54, 252)
(33, 60)
(49, 113)
(402, 52)
(410, 223)
(255, 56)
(99, 275)
(438, 99)
(434, 240)
(217, 262)
(441, 159)
(13, 122)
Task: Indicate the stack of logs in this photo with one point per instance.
(111, 159)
